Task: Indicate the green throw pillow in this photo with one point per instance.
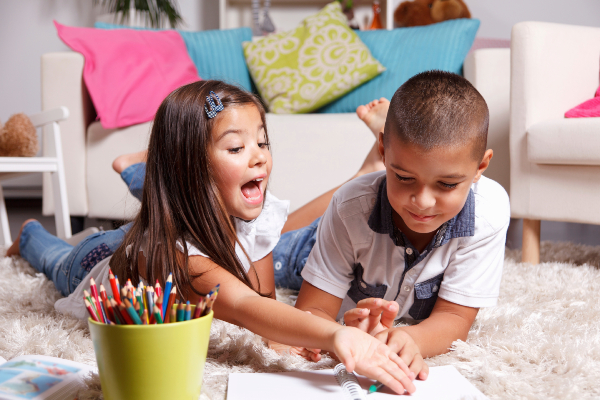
(303, 69)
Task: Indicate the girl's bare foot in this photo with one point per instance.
(374, 114)
(372, 163)
(13, 250)
(126, 160)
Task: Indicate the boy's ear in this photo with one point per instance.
(485, 162)
(381, 147)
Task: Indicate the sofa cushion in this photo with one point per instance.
(217, 54)
(128, 74)
(406, 52)
(565, 141)
(303, 69)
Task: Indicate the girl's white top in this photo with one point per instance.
(258, 237)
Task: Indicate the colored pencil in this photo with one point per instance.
(173, 315)
(114, 286)
(150, 302)
(89, 298)
(121, 313)
(180, 312)
(125, 313)
(159, 304)
(167, 295)
(209, 303)
(188, 311)
(199, 308)
(156, 313)
(104, 314)
(110, 311)
(103, 295)
(172, 295)
(157, 288)
(145, 317)
(132, 313)
(118, 286)
(90, 310)
(94, 290)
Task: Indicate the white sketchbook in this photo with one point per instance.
(41, 377)
(443, 383)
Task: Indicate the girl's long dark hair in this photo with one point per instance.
(180, 199)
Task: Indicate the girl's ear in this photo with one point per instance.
(485, 162)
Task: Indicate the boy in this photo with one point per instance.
(425, 237)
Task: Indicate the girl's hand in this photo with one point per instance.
(307, 354)
(401, 343)
(372, 315)
(370, 357)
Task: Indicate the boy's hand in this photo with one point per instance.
(307, 354)
(372, 315)
(400, 342)
(369, 356)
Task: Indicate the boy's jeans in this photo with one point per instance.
(67, 265)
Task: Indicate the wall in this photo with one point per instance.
(27, 32)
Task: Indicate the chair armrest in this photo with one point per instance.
(489, 71)
(554, 67)
(62, 85)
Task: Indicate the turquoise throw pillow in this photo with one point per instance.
(217, 54)
(406, 52)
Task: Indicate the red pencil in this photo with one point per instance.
(103, 295)
(125, 314)
(109, 311)
(167, 316)
(90, 310)
(117, 312)
(199, 308)
(114, 286)
(94, 290)
(157, 288)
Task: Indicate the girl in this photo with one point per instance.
(208, 164)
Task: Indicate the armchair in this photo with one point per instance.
(554, 162)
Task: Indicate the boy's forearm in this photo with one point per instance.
(435, 335)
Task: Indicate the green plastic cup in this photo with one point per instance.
(151, 361)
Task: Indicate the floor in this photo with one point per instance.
(20, 210)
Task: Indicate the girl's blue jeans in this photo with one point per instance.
(67, 265)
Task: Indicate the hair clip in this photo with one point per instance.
(214, 108)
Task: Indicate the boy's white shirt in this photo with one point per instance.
(471, 265)
(259, 237)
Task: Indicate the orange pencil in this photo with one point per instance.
(90, 310)
(114, 286)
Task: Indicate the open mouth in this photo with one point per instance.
(252, 191)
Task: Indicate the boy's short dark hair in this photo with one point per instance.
(437, 109)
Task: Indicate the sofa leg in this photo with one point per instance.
(531, 241)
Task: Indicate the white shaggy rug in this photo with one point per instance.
(541, 341)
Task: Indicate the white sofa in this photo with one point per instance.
(312, 153)
(555, 162)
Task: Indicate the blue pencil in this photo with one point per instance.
(188, 311)
(168, 285)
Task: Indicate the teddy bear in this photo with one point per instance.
(426, 12)
(18, 137)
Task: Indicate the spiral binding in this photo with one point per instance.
(349, 383)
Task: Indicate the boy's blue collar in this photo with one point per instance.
(462, 225)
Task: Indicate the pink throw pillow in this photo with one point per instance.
(128, 73)
(587, 109)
